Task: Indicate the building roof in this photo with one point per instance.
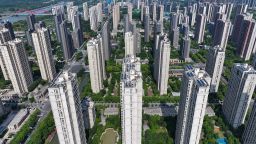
(18, 117)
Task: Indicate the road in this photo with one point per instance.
(45, 108)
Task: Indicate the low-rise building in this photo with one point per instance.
(15, 124)
(9, 96)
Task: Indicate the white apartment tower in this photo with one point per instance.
(200, 28)
(69, 6)
(42, 45)
(96, 64)
(99, 12)
(93, 18)
(17, 65)
(72, 11)
(161, 64)
(86, 11)
(214, 66)
(240, 89)
(129, 44)
(66, 109)
(131, 101)
(5, 36)
(129, 8)
(116, 16)
(194, 96)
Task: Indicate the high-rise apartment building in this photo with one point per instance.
(214, 66)
(142, 11)
(72, 13)
(69, 6)
(66, 108)
(116, 16)
(161, 64)
(129, 11)
(146, 28)
(185, 50)
(31, 20)
(58, 12)
(99, 12)
(105, 32)
(8, 25)
(160, 13)
(96, 64)
(129, 44)
(86, 11)
(57, 9)
(194, 96)
(254, 62)
(77, 38)
(93, 18)
(153, 11)
(66, 41)
(174, 21)
(240, 89)
(5, 36)
(137, 38)
(237, 26)
(221, 33)
(200, 28)
(246, 42)
(131, 100)
(18, 68)
(43, 49)
(250, 128)
(89, 113)
(175, 35)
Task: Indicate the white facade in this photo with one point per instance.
(161, 64)
(17, 64)
(5, 36)
(58, 9)
(116, 16)
(200, 28)
(153, 8)
(192, 107)
(142, 11)
(96, 64)
(129, 44)
(240, 89)
(161, 13)
(131, 101)
(42, 45)
(214, 66)
(69, 5)
(129, 7)
(93, 18)
(72, 11)
(86, 11)
(99, 12)
(66, 108)
(16, 122)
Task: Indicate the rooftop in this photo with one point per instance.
(244, 67)
(18, 117)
